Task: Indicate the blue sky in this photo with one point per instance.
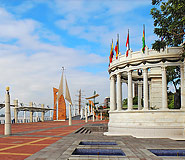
(38, 37)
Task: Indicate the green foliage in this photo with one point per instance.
(100, 107)
(170, 100)
(2, 115)
(173, 76)
(157, 45)
(106, 115)
(169, 22)
(124, 102)
(135, 100)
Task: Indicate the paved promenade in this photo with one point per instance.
(57, 141)
(29, 138)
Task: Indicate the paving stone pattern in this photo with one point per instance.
(134, 148)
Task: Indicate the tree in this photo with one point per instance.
(169, 22)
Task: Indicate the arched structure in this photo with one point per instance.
(148, 71)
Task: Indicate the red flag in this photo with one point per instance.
(127, 44)
(111, 53)
(117, 49)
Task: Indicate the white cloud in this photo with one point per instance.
(99, 21)
(31, 67)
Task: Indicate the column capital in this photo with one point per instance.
(112, 77)
(163, 68)
(129, 71)
(182, 65)
(140, 83)
(145, 69)
(119, 74)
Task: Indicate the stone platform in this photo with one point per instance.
(148, 124)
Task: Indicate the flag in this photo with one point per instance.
(143, 39)
(60, 90)
(117, 48)
(67, 96)
(162, 38)
(127, 44)
(111, 52)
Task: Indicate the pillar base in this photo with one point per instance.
(147, 124)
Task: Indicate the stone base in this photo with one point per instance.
(147, 124)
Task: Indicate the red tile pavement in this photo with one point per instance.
(19, 147)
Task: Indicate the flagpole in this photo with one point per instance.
(118, 43)
(128, 41)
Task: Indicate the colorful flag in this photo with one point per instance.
(111, 53)
(117, 48)
(127, 44)
(162, 38)
(143, 39)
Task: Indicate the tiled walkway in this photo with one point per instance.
(30, 138)
(57, 141)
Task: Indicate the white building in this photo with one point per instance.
(154, 119)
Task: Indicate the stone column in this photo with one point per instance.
(37, 116)
(31, 112)
(119, 92)
(130, 98)
(101, 116)
(112, 94)
(24, 120)
(139, 95)
(16, 110)
(70, 118)
(164, 89)
(182, 70)
(42, 114)
(145, 88)
(50, 114)
(93, 113)
(86, 114)
(7, 126)
(150, 91)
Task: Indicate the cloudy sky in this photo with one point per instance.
(39, 37)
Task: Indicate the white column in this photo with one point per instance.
(93, 113)
(24, 121)
(37, 116)
(130, 98)
(16, 110)
(164, 89)
(112, 94)
(182, 70)
(31, 112)
(119, 92)
(42, 115)
(91, 110)
(70, 118)
(145, 88)
(50, 114)
(150, 91)
(101, 116)
(74, 110)
(139, 95)
(86, 114)
(7, 126)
